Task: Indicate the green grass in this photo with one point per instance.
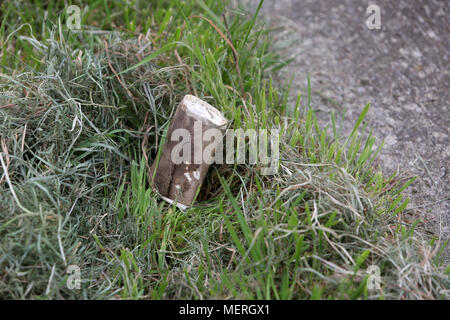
(82, 117)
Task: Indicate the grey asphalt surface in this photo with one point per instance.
(401, 69)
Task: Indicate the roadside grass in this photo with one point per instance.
(82, 116)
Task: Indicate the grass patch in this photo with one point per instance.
(82, 115)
